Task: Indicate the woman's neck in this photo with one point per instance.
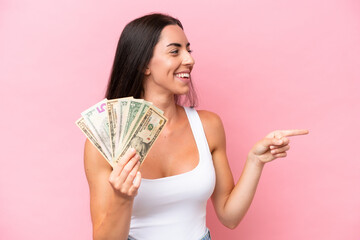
(166, 103)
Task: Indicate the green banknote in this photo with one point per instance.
(115, 125)
(145, 134)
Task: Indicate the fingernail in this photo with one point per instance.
(132, 149)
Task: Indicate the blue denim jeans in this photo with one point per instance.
(205, 237)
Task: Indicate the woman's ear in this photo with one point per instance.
(147, 71)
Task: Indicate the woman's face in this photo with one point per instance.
(170, 67)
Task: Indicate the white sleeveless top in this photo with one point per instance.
(174, 207)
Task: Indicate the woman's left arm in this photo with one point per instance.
(231, 201)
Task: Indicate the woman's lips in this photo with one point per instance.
(183, 76)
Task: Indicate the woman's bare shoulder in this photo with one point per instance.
(213, 127)
(210, 120)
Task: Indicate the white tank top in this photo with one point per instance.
(174, 207)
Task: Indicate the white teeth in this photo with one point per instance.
(183, 75)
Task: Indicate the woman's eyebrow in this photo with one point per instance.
(177, 44)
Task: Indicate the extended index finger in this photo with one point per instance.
(294, 132)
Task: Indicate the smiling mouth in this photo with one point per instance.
(183, 75)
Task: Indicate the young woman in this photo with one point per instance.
(166, 197)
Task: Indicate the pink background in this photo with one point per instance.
(261, 65)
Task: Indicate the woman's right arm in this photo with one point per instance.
(112, 192)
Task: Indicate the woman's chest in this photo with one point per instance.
(172, 154)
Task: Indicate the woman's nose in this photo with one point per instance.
(188, 59)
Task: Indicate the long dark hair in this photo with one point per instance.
(134, 51)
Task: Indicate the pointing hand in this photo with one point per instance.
(274, 145)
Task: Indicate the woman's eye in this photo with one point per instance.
(175, 52)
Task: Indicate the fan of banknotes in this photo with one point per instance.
(113, 126)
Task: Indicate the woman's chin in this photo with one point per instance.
(182, 91)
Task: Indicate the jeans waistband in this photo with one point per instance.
(205, 237)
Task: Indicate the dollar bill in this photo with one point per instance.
(134, 107)
(122, 109)
(140, 113)
(113, 114)
(145, 134)
(113, 126)
(96, 118)
(81, 124)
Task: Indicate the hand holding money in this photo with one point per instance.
(113, 126)
(125, 177)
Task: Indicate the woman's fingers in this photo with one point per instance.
(124, 182)
(285, 141)
(125, 174)
(131, 176)
(127, 169)
(280, 150)
(275, 144)
(294, 132)
(136, 184)
(280, 155)
(121, 164)
(264, 144)
(287, 133)
(127, 156)
(137, 180)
